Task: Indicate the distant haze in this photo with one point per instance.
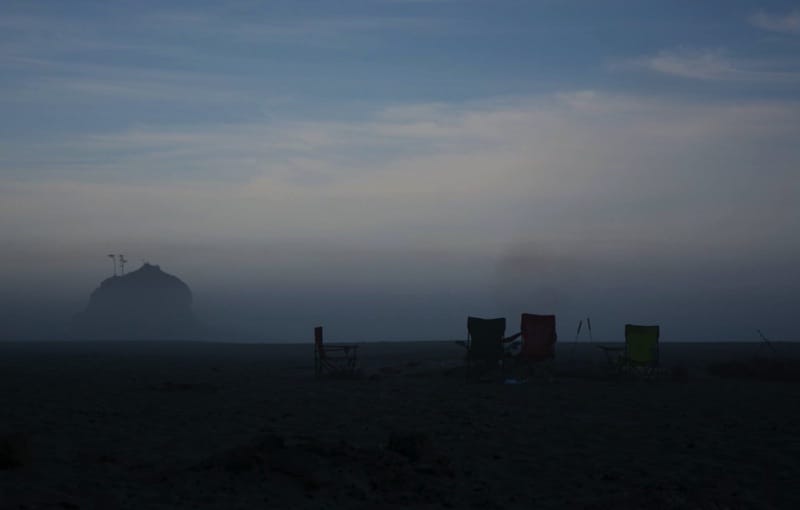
(386, 168)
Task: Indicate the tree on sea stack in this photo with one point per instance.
(146, 304)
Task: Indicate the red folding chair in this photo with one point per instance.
(539, 337)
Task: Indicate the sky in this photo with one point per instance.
(388, 167)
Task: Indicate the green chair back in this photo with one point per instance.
(641, 344)
(486, 338)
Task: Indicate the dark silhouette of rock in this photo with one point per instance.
(146, 304)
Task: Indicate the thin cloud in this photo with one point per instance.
(715, 65)
(561, 156)
(784, 23)
(323, 31)
(704, 65)
(418, 1)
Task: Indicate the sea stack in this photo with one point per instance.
(146, 304)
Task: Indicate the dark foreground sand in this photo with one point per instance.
(171, 425)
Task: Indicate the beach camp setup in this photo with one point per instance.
(488, 349)
(334, 359)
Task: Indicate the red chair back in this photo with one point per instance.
(538, 337)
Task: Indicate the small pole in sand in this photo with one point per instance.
(122, 261)
(589, 325)
(766, 341)
(575, 343)
(114, 261)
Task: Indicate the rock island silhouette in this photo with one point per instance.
(146, 304)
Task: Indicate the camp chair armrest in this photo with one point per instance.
(512, 337)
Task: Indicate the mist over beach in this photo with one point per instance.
(375, 160)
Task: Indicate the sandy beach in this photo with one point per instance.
(203, 425)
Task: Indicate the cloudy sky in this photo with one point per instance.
(387, 167)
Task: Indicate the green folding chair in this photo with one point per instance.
(641, 349)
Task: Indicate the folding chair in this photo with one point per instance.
(539, 337)
(484, 343)
(641, 349)
(335, 359)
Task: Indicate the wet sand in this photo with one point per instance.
(202, 425)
